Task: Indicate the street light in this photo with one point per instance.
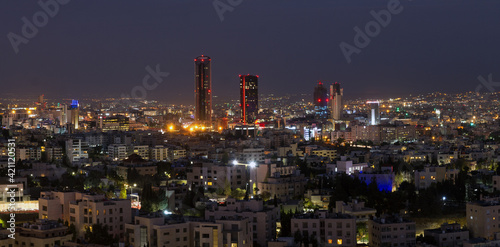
(235, 162)
(252, 164)
(132, 189)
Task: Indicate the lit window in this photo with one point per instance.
(201, 177)
(330, 241)
(209, 183)
(339, 241)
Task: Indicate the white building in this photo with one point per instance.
(76, 150)
(159, 153)
(117, 151)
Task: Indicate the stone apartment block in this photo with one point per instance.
(41, 233)
(355, 208)
(213, 175)
(483, 219)
(391, 231)
(83, 210)
(433, 174)
(448, 235)
(284, 187)
(329, 229)
(262, 218)
(156, 230)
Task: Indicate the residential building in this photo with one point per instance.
(262, 218)
(355, 208)
(84, 210)
(448, 235)
(329, 229)
(391, 231)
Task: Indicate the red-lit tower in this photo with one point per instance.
(249, 98)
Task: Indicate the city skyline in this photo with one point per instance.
(236, 123)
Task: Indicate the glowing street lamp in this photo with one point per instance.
(252, 164)
(235, 162)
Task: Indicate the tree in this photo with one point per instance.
(148, 199)
(361, 232)
(227, 188)
(98, 234)
(123, 192)
(297, 237)
(225, 158)
(238, 194)
(72, 230)
(266, 195)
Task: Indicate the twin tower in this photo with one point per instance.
(249, 96)
(324, 100)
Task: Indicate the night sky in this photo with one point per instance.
(101, 48)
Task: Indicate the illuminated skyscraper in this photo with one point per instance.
(336, 94)
(249, 98)
(320, 101)
(374, 116)
(203, 89)
(74, 114)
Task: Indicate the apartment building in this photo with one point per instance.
(262, 218)
(117, 152)
(54, 153)
(248, 155)
(329, 229)
(141, 150)
(159, 153)
(496, 182)
(345, 166)
(158, 230)
(42, 233)
(483, 219)
(355, 208)
(433, 174)
(323, 152)
(284, 187)
(76, 150)
(214, 175)
(176, 153)
(448, 235)
(83, 210)
(391, 231)
(28, 153)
